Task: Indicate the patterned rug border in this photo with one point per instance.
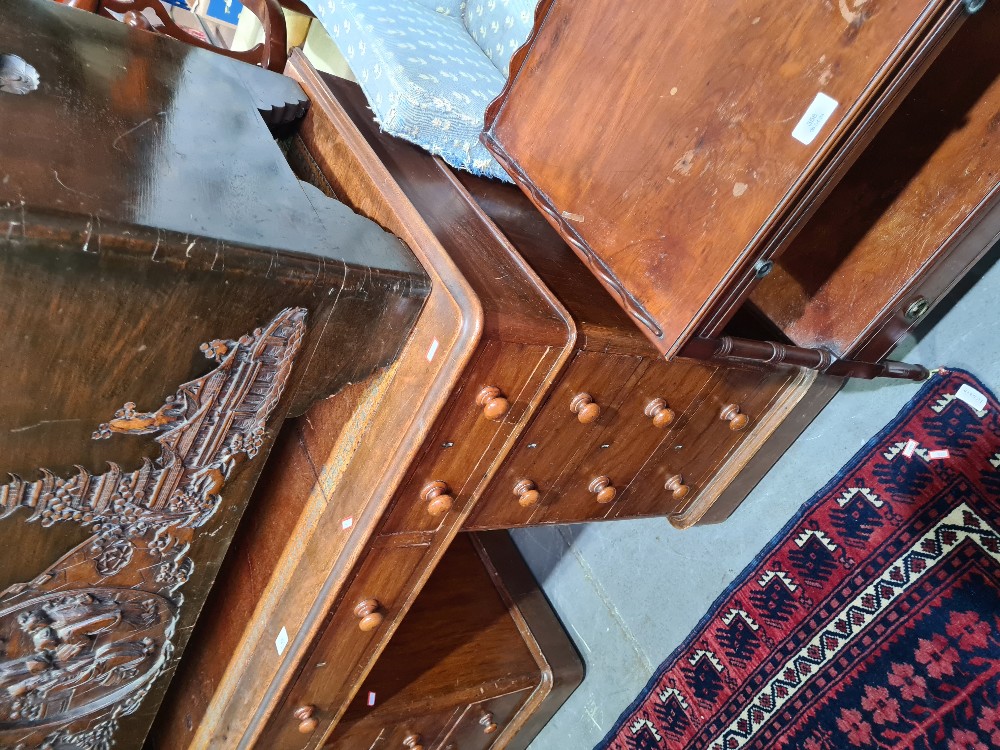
(930, 385)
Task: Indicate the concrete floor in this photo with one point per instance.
(628, 592)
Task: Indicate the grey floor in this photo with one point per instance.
(629, 592)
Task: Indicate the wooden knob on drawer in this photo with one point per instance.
(495, 406)
(438, 498)
(489, 726)
(663, 415)
(731, 413)
(603, 489)
(412, 741)
(527, 493)
(676, 485)
(368, 615)
(307, 722)
(584, 407)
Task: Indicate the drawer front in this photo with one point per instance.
(377, 732)
(593, 384)
(355, 630)
(470, 436)
(481, 724)
(658, 406)
(718, 421)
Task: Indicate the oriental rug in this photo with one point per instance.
(872, 620)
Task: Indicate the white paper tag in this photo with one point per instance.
(371, 698)
(432, 351)
(971, 396)
(937, 455)
(911, 445)
(281, 642)
(347, 523)
(814, 119)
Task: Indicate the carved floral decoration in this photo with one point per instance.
(82, 643)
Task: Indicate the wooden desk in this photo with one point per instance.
(356, 515)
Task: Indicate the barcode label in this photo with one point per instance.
(814, 119)
(972, 397)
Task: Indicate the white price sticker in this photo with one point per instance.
(814, 119)
(432, 351)
(938, 455)
(911, 445)
(972, 397)
(281, 642)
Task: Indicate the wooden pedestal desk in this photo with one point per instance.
(522, 397)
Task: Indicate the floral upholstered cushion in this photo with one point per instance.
(425, 77)
(499, 27)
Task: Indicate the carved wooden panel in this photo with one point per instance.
(82, 643)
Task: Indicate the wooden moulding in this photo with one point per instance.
(307, 575)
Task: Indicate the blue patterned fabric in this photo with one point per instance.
(499, 27)
(426, 78)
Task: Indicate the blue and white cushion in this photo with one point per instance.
(499, 27)
(426, 78)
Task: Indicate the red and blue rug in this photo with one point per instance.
(872, 620)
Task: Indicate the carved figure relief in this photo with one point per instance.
(82, 643)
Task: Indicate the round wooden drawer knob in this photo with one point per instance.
(368, 615)
(676, 485)
(604, 490)
(737, 420)
(495, 406)
(663, 415)
(438, 498)
(489, 726)
(584, 407)
(412, 741)
(527, 493)
(307, 722)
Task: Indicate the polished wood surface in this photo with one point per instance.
(157, 330)
(673, 195)
(916, 210)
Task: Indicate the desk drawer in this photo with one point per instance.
(724, 415)
(355, 628)
(378, 733)
(595, 385)
(481, 724)
(470, 436)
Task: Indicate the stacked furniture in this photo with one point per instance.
(524, 394)
(554, 409)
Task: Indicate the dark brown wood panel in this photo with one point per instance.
(922, 185)
(481, 722)
(670, 193)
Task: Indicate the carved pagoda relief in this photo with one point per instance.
(82, 643)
